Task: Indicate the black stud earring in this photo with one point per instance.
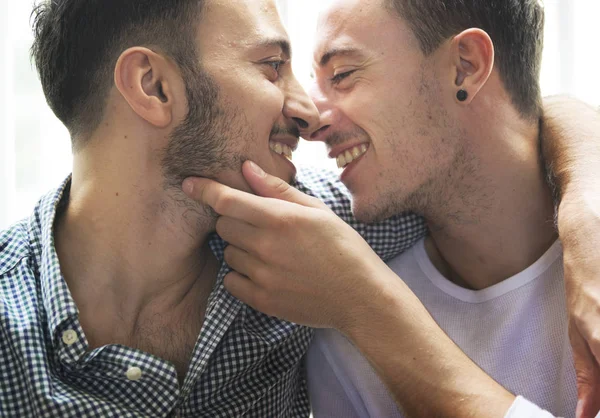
(462, 95)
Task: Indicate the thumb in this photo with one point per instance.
(266, 185)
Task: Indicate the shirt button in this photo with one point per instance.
(134, 373)
(69, 337)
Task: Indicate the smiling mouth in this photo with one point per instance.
(281, 149)
(350, 155)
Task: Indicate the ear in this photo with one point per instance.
(473, 61)
(145, 81)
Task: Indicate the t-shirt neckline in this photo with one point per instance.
(479, 296)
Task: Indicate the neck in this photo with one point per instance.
(126, 244)
(495, 217)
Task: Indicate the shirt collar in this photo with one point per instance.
(56, 297)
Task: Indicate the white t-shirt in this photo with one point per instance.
(516, 331)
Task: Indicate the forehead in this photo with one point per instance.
(237, 24)
(357, 26)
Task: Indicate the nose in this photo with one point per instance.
(325, 111)
(300, 109)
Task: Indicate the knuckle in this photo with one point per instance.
(259, 272)
(223, 202)
(279, 221)
(281, 187)
(584, 378)
(264, 250)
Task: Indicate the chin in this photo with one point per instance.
(285, 171)
(370, 211)
(366, 213)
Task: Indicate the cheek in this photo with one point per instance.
(266, 99)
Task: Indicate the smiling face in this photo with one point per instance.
(382, 109)
(257, 109)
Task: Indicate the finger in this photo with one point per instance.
(239, 233)
(242, 288)
(230, 202)
(592, 334)
(588, 380)
(588, 405)
(243, 263)
(266, 185)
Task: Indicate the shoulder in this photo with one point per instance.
(26, 238)
(14, 246)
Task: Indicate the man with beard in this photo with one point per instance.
(432, 107)
(112, 294)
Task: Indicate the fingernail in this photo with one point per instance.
(188, 186)
(259, 171)
(579, 410)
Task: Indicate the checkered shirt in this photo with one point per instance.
(244, 362)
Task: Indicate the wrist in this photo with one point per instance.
(388, 303)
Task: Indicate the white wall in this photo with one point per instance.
(7, 157)
(35, 148)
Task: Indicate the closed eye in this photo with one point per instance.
(338, 78)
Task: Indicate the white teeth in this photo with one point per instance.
(287, 151)
(281, 149)
(350, 155)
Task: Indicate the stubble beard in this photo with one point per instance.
(203, 144)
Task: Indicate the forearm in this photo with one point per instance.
(571, 147)
(427, 374)
(571, 144)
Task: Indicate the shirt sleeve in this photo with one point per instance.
(522, 408)
(388, 238)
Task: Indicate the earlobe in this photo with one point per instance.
(140, 77)
(473, 63)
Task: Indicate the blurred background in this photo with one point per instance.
(35, 153)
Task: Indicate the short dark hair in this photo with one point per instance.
(78, 42)
(516, 28)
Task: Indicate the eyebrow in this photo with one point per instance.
(281, 43)
(337, 52)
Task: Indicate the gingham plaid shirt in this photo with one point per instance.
(244, 363)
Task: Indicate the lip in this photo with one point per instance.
(337, 151)
(349, 169)
(290, 141)
(289, 163)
